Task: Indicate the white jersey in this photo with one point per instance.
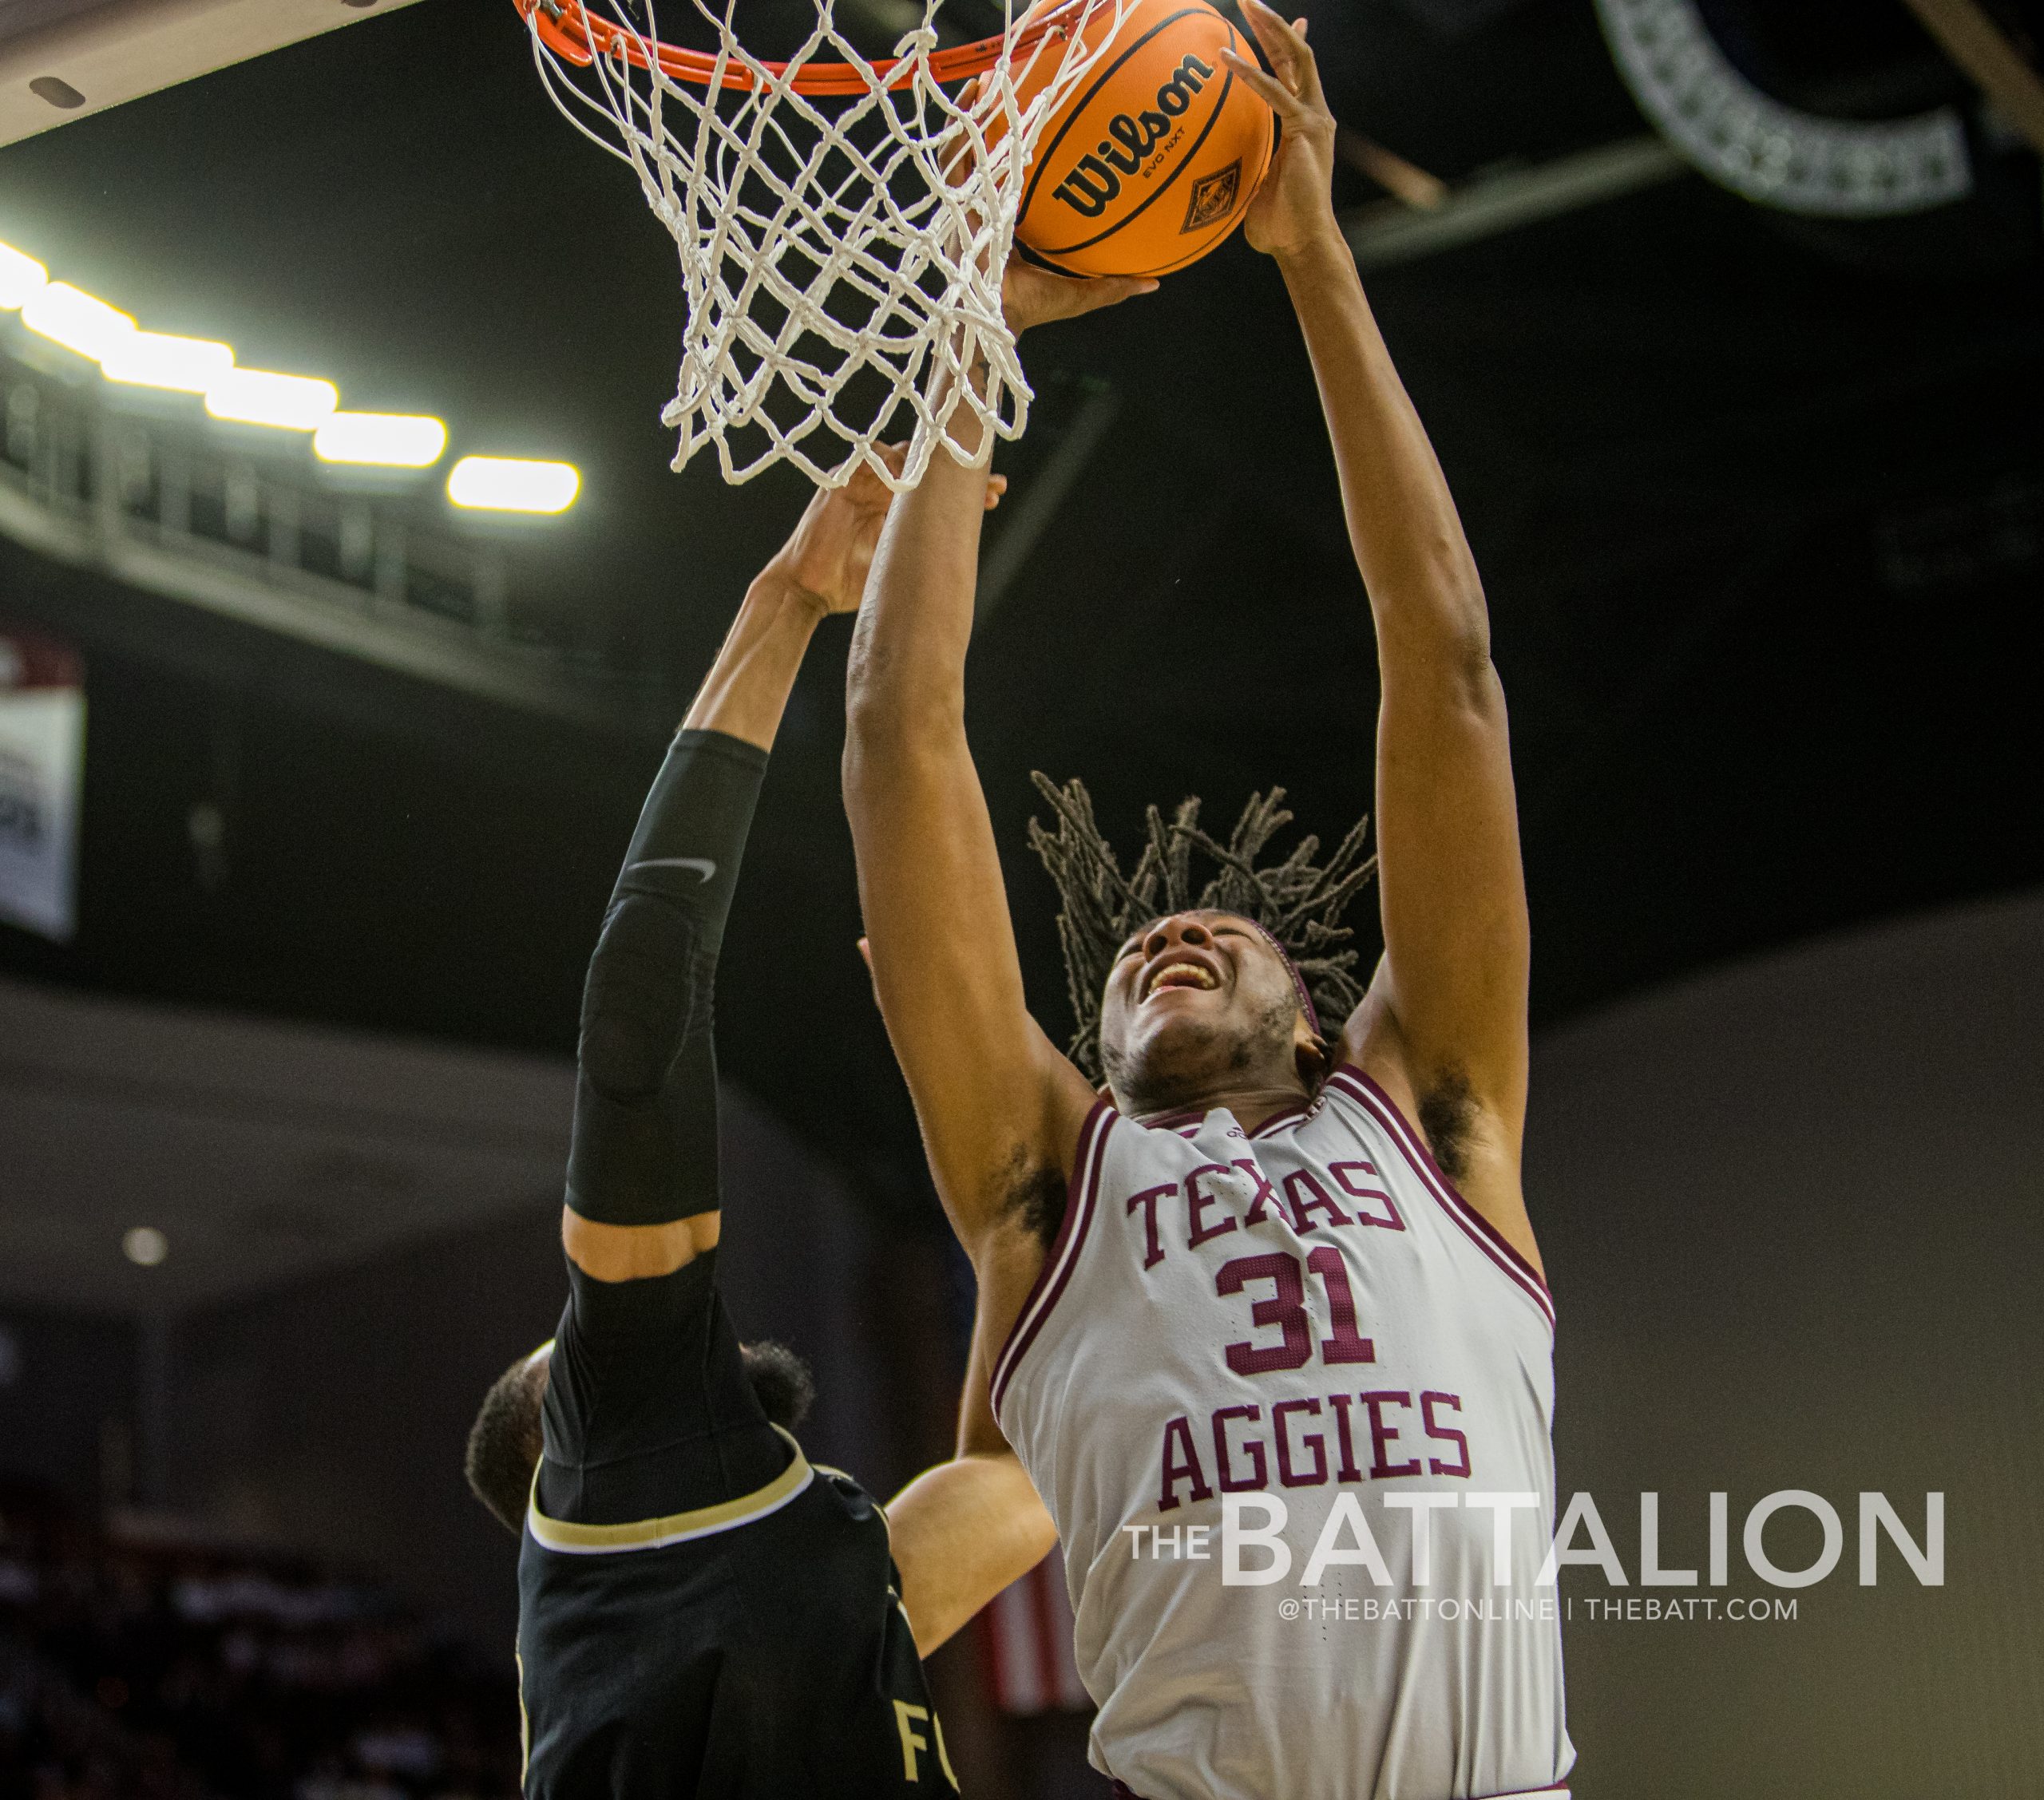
(1290, 1401)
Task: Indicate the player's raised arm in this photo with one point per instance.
(1000, 1107)
(643, 1197)
(1446, 1016)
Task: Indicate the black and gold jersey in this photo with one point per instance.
(703, 1612)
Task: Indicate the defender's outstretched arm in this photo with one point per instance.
(643, 1194)
(1001, 1106)
(1445, 1019)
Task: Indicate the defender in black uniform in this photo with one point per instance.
(702, 1610)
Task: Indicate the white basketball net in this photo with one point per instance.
(837, 254)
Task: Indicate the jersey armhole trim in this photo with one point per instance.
(675, 1528)
(1081, 1194)
(1351, 1081)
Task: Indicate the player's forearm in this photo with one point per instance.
(747, 687)
(907, 673)
(962, 1532)
(1407, 539)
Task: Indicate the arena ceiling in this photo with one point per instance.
(1759, 499)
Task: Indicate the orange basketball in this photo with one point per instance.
(1154, 159)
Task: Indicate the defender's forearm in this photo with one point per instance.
(1407, 539)
(643, 1194)
(960, 1533)
(747, 687)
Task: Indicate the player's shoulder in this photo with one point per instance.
(1373, 1100)
(846, 1491)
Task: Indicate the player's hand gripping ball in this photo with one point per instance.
(1153, 159)
(1295, 206)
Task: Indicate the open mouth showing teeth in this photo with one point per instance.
(1181, 974)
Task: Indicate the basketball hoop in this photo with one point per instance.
(842, 224)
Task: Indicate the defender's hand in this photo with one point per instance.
(1033, 296)
(829, 553)
(1294, 207)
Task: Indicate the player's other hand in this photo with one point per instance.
(1294, 208)
(1030, 295)
(829, 553)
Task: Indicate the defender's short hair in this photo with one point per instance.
(1298, 903)
(505, 1442)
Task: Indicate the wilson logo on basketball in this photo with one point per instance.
(1095, 183)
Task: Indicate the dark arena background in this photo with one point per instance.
(313, 786)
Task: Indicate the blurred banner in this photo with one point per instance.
(1026, 1635)
(42, 747)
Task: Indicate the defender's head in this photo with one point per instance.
(505, 1441)
(1202, 998)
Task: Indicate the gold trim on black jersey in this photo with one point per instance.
(676, 1528)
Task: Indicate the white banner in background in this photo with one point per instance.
(42, 747)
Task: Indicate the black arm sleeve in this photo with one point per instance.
(648, 1411)
(645, 1150)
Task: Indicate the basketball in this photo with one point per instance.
(1152, 162)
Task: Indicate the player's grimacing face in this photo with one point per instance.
(1194, 996)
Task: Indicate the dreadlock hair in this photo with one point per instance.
(1298, 903)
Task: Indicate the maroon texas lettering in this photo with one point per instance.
(1198, 1200)
(1344, 1172)
(1153, 1250)
(1304, 1180)
(1263, 1202)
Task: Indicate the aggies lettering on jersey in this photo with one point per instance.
(1304, 1343)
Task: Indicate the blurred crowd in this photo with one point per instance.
(136, 1667)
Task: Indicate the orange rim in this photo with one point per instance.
(566, 27)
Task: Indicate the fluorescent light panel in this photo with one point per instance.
(154, 359)
(69, 316)
(20, 277)
(509, 484)
(386, 440)
(257, 396)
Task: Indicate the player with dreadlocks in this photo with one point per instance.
(1264, 1315)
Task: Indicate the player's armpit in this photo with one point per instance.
(960, 1533)
(1475, 1142)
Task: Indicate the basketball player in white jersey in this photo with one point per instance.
(1266, 1317)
